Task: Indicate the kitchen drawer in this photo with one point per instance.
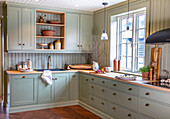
(102, 105)
(128, 88)
(126, 100)
(99, 81)
(114, 84)
(121, 113)
(155, 110)
(101, 92)
(92, 88)
(92, 101)
(155, 95)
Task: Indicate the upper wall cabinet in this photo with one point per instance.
(21, 29)
(79, 32)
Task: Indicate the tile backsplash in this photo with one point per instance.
(39, 60)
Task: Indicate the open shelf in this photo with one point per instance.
(48, 24)
(49, 36)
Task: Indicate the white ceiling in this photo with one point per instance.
(85, 5)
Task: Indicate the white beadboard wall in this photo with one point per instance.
(40, 60)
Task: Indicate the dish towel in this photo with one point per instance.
(47, 76)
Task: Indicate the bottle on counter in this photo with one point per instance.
(115, 65)
(119, 65)
(29, 64)
(58, 45)
(24, 65)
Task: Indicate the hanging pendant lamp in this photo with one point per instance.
(104, 35)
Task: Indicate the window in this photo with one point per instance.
(131, 44)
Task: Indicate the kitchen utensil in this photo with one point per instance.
(42, 45)
(24, 65)
(95, 66)
(57, 45)
(48, 32)
(108, 69)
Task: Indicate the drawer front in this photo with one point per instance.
(155, 95)
(121, 113)
(103, 105)
(155, 110)
(144, 117)
(92, 101)
(100, 81)
(92, 89)
(102, 92)
(123, 99)
(128, 88)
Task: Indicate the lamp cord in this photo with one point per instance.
(128, 12)
(104, 17)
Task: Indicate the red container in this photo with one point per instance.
(48, 32)
(115, 65)
(118, 65)
(145, 75)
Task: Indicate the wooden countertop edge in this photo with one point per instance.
(90, 72)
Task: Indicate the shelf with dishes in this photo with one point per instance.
(50, 30)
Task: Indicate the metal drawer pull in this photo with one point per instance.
(102, 90)
(87, 79)
(130, 89)
(23, 44)
(129, 115)
(147, 105)
(147, 93)
(114, 108)
(102, 103)
(92, 86)
(54, 78)
(114, 93)
(92, 79)
(92, 99)
(19, 43)
(24, 77)
(103, 82)
(78, 45)
(129, 99)
(74, 75)
(114, 84)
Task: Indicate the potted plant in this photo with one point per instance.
(145, 72)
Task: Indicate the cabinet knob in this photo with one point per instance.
(114, 93)
(24, 77)
(147, 104)
(19, 44)
(92, 86)
(102, 103)
(129, 115)
(87, 79)
(147, 93)
(130, 89)
(103, 82)
(23, 44)
(74, 75)
(92, 79)
(114, 85)
(114, 108)
(102, 90)
(129, 99)
(92, 98)
(81, 45)
(78, 45)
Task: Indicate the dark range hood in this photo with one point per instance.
(159, 37)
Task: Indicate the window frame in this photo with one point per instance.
(134, 43)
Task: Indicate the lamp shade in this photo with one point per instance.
(159, 37)
(104, 36)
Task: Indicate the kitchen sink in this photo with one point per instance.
(50, 69)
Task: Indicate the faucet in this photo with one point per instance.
(49, 60)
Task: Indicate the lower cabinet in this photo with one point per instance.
(83, 86)
(23, 90)
(61, 87)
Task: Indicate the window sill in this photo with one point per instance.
(130, 73)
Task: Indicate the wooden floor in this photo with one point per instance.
(70, 112)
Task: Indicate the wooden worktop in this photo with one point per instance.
(139, 81)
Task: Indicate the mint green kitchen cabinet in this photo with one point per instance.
(45, 92)
(74, 86)
(86, 32)
(23, 90)
(21, 28)
(72, 31)
(83, 87)
(61, 87)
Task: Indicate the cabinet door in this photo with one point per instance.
(14, 28)
(72, 31)
(84, 88)
(23, 90)
(28, 38)
(74, 90)
(45, 92)
(86, 32)
(61, 86)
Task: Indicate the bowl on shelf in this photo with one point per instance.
(42, 45)
(54, 22)
(48, 32)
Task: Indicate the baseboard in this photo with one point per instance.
(95, 111)
(41, 106)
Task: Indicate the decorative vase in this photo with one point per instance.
(145, 75)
